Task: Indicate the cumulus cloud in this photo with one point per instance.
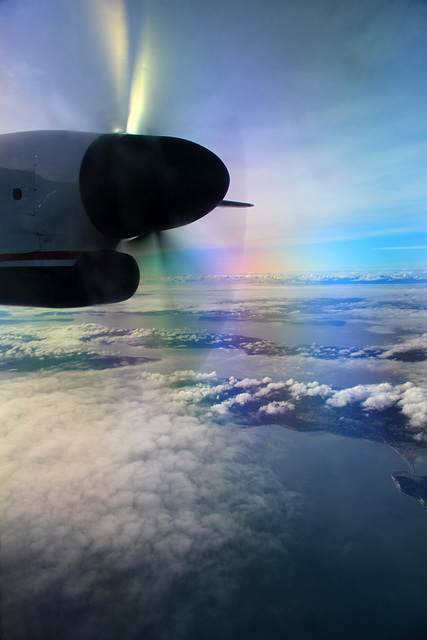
(108, 485)
(311, 389)
(293, 403)
(277, 407)
(354, 394)
(411, 400)
(94, 346)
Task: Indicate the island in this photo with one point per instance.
(414, 486)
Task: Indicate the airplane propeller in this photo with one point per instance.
(72, 198)
(180, 182)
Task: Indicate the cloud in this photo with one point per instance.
(277, 407)
(136, 483)
(413, 349)
(262, 398)
(307, 277)
(108, 485)
(94, 346)
(28, 346)
(355, 394)
(412, 400)
(311, 389)
(214, 396)
(400, 248)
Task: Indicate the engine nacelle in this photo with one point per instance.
(67, 198)
(132, 185)
(97, 277)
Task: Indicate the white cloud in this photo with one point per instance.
(413, 402)
(411, 399)
(299, 389)
(400, 248)
(277, 407)
(410, 344)
(251, 382)
(104, 479)
(354, 394)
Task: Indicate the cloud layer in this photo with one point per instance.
(94, 347)
(89, 345)
(110, 483)
(129, 494)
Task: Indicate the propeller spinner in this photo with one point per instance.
(132, 185)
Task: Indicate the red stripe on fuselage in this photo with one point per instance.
(41, 255)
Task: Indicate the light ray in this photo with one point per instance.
(112, 31)
(141, 83)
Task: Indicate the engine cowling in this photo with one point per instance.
(132, 185)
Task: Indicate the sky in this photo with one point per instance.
(148, 484)
(318, 110)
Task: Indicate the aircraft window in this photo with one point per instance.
(17, 194)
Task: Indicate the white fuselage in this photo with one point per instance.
(40, 205)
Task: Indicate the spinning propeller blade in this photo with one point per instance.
(134, 64)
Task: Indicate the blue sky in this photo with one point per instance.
(318, 110)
